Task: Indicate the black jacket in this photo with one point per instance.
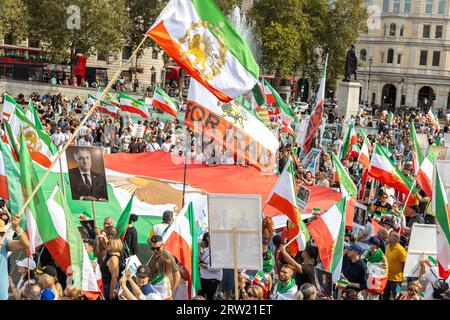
(80, 189)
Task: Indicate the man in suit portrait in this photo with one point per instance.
(86, 184)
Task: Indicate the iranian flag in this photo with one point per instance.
(317, 113)
(416, 152)
(287, 116)
(268, 93)
(131, 105)
(283, 198)
(354, 153)
(442, 228)
(10, 188)
(431, 115)
(364, 154)
(124, 220)
(328, 233)
(350, 140)
(259, 98)
(382, 169)
(51, 223)
(391, 118)
(198, 36)
(109, 98)
(9, 105)
(425, 174)
(162, 101)
(103, 107)
(346, 183)
(32, 115)
(181, 241)
(39, 143)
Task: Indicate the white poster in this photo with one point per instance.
(421, 244)
(235, 222)
(301, 131)
(423, 142)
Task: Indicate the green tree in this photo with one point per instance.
(99, 27)
(13, 19)
(227, 5)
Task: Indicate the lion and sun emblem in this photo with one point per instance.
(31, 138)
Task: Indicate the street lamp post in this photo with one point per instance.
(368, 81)
(402, 83)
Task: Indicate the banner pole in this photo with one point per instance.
(236, 280)
(62, 178)
(75, 133)
(93, 214)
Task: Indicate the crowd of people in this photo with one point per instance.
(284, 276)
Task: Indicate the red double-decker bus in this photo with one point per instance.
(29, 64)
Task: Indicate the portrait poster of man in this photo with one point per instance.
(303, 197)
(359, 219)
(87, 173)
(324, 282)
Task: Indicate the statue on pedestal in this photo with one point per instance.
(351, 64)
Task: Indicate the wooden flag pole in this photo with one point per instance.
(93, 214)
(236, 280)
(62, 178)
(75, 133)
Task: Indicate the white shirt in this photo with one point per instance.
(58, 138)
(159, 228)
(209, 273)
(152, 146)
(166, 147)
(431, 278)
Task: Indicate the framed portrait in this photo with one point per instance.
(324, 282)
(360, 217)
(87, 173)
(303, 195)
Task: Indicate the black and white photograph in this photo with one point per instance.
(86, 173)
(303, 197)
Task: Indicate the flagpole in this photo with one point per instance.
(75, 133)
(409, 195)
(62, 178)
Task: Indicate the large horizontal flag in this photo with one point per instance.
(197, 35)
(103, 107)
(425, 175)
(235, 125)
(10, 188)
(162, 101)
(328, 232)
(382, 169)
(39, 143)
(317, 113)
(131, 105)
(284, 198)
(181, 240)
(442, 227)
(431, 115)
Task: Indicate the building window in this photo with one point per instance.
(438, 34)
(441, 6)
(363, 55)
(436, 58)
(402, 30)
(390, 56)
(423, 57)
(407, 7)
(153, 75)
(126, 53)
(155, 54)
(8, 39)
(396, 8)
(426, 31)
(385, 30)
(385, 5)
(399, 59)
(429, 6)
(392, 30)
(102, 56)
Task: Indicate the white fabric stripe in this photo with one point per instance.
(332, 219)
(161, 99)
(181, 226)
(33, 232)
(8, 108)
(57, 215)
(284, 186)
(89, 282)
(427, 168)
(380, 162)
(2, 166)
(443, 248)
(234, 79)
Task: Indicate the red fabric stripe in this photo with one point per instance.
(131, 109)
(284, 206)
(4, 188)
(177, 246)
(350, 212)
(389, 179)
(324, 241)
(425, 183)
(60, 251)
(443, 273)
(164, 107)
(161, 36)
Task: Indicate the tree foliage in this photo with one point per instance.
(227, 5)
(13, 19)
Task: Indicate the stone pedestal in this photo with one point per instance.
(348, 99)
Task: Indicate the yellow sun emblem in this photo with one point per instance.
(31, 138)
(198, 47)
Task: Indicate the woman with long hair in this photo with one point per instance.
(161, 282)
(111, 267)
(47, 278)
(26, 269)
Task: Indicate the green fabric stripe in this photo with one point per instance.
(10, 134)
(345, 148)
(258, 94)
(416, 145)
(162, 93)
(208, 10)
(195, 276)
(124, 219)
(12, 179)
(339, 245)
(431, 156)
(344, 179)
(37, 121)
(280, 102)
(379, 150)
(124, 96)
(37, 206)
(441, 203)
(11, 100)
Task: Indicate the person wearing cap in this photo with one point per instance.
(161, 228)
(47, 278)
(142, 289)
(396, 257)
(377, 268)
(9, 245)
(26, 269)
(354, 270)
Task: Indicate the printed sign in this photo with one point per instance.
(303, 195)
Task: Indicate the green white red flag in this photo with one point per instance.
(350, 140)
(286, 114)
(431, 115)
(391, 118)
(181, 240)
(124, 220)
(425, 175)
(328, 232)
(364, 155)
(9, 105)
(283, 198)
(10, 188)
(268, 93)
(133, 106)
(442, 227)
(346, 183)
(416, 152)
(103, 107)
(163, 102)
(197, 35)
(32, 115)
